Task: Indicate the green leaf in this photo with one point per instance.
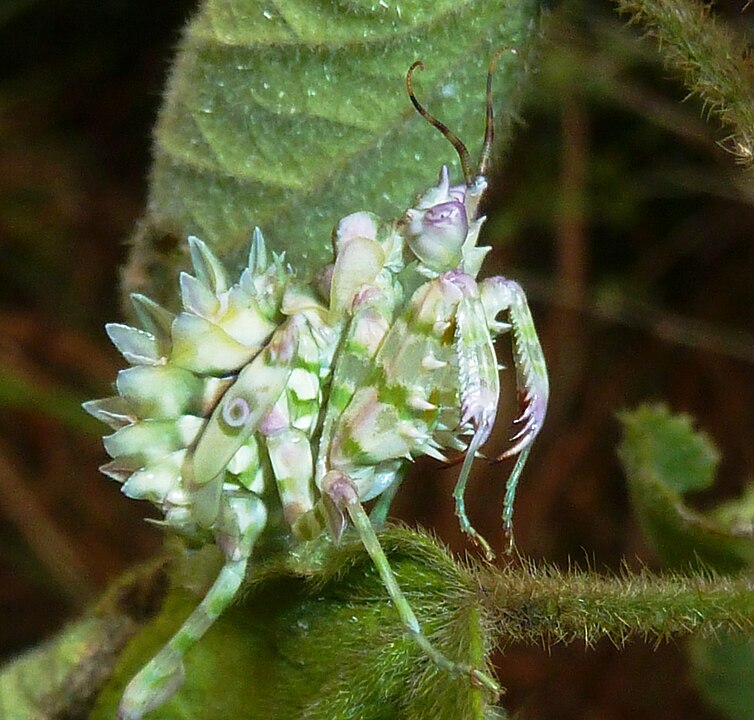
(61, 677)
(26, 683)
(291, 114)
(316, 637)
(663, 458)
(723, 671)
(673, 453)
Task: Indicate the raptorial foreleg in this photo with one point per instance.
(498, 294)
(479, 391)
(238, 414)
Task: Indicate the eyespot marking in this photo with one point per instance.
(236, 412)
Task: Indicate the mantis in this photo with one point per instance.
(271, 404)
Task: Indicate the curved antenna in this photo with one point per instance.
(463, 153)
(489, 127)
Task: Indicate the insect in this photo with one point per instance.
(269, 403)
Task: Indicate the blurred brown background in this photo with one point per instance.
(616, 207)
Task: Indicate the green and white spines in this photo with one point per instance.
(179, 373)
(223, 326)
(274, 404)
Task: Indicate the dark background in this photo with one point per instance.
(616, 207)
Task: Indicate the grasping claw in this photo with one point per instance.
(502, 295)
(532, 416)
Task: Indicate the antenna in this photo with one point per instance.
(489, 126)
(461, 149)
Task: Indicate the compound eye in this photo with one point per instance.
(448, 217)
(438, 243)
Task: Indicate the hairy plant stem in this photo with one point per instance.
(543, 605)
(714, 61)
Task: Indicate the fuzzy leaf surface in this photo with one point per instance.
(290, 114)
(664, 458)
(723, 671)
(316, 637)
(61, 677)
(27, 683)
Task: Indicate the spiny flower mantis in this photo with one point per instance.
(273, 405)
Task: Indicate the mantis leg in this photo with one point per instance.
(239, 414)
(459, 495)
(343, 495)
(498, 294)
(381, 507)
(510, 495)
(291, 459)
(163, 675)
(480, 388)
